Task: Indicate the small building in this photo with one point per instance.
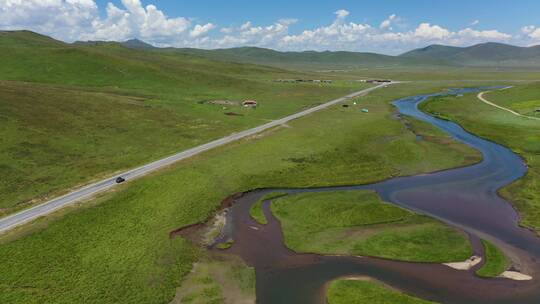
(249, 103)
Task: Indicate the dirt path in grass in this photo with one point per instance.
(481, 97)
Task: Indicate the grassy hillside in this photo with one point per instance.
(522, 135)
(306, 59)
(480, 55)
(485, 55)
(69, 114)
(119, 251)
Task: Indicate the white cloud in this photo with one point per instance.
(249, 34)
(80, 20)
(387, 24)
(475, 23)
(528, 29)
(531, 31)
(355, 36)
(148, 23)
(535, 34)
(431, 32)
(60, 18)
(342, 14)
(490, 35)
(71, 20)
(339, 32)
(226, 30)
(199, 30)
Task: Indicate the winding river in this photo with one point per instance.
(464, 197)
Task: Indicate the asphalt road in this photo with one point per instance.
(30, 214)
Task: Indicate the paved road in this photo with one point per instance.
(30, 214)
(481, 97)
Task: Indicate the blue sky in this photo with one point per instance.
(503, 15)
(279, 24)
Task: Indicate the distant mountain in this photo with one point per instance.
(312, 59)
(137, 44)
(480, 55)
(493, 55)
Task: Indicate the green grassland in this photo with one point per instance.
(256, 210)
(71, 114)
(442, 74)
(496, 262)
(524, 99)
(119, 251)
(520, 134)
(366, 292)
(359, 223)
(223, 279)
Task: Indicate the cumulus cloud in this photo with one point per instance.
(531, 31)
(431, 32)
(341, 34)
(341, 14)
(491, 35)
(63, 19)
(387, 24)
(199, 30)
(80, 20)
(71, 20)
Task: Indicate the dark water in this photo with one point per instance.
(464, 197)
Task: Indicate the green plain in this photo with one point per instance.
(118, 249)
(496, 262)
(359, 223)
(366, 292)
(256, 210)
(73, 114)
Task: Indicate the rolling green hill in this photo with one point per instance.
(70, 113)
(306, 59)
(481, 55)
(485, 55)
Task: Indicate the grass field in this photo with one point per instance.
(359, 223)
(366, 292)
(118, 250)
(520, 134)
(223, 279)
(524, 99)
(256, 210)
(444, 74)
(71, 114)
(496, 262)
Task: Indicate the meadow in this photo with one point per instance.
(256, 210)
(366, 292)
(116, 248)
(73, 114)
(359, 223)
(496, 262)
